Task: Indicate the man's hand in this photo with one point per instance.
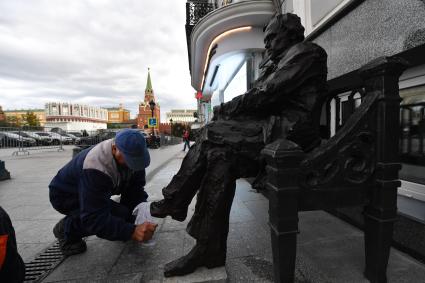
(144, 232)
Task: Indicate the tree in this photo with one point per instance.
(30, 119)
(4, 123)
(13, 121)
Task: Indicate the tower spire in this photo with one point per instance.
(149, 82)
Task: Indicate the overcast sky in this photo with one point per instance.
(95, 52)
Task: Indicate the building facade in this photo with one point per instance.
(225, 46)
(145, 111)
(17, 116)
(75, 117)
(118, 114)
(181, 116)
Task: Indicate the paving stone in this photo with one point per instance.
(49, 214)
(214, 275)
(404, 269)
(244, 191)
(27, 212)
(316, 225)
(237, 246)
(29, 231)
(121, 278)
(240, 213)
(173, 225)
(138, 258)
(95, 263)
(188, 243)
(29, 251)
(249, 269)
(260, 209)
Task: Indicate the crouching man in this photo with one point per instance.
(82, 189)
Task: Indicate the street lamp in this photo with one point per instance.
(152, 106)
(171, 126)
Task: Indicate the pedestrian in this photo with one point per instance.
(81, 191)
(12, 267)
(84, 133)
(186, 140)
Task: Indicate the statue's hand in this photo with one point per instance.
(237, 105)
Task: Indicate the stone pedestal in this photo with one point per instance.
(4, 174)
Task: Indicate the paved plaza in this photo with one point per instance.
(329, 250)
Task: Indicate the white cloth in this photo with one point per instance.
(143, 212)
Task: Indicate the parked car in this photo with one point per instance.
(74, 138)
(152, 141)
(47, 136)
(77, 134)
(95, 139)
(40, 140)
(56, 138)
(9, 139)
(62, 137)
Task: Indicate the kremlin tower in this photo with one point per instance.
(144, 108)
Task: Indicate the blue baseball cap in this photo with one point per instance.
(131, 143)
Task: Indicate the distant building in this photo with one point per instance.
(75, 117)
(118, 114)
(181, 115)
(145, 111)
(18, 114)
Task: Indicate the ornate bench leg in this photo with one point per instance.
(378, 236)
(379, 217)
(382, 76)
(283, 213)
(283, 158)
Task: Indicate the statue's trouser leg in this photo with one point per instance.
(186, 182)
(210, 222)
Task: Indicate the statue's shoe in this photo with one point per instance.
(197, 257)
(164, 208)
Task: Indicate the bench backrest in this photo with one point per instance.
(362, 147)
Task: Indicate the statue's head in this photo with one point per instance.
(282, 32)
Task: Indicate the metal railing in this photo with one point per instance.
(24, 139)
(412, 126)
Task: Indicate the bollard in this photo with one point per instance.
(4, 174)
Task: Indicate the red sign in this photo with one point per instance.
(198, 95)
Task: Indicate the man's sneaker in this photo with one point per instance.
(164, 208)
(68, 246)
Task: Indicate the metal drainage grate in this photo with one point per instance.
(43, 264)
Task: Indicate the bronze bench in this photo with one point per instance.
(357, 166)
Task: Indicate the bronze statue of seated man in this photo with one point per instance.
(282, 104)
